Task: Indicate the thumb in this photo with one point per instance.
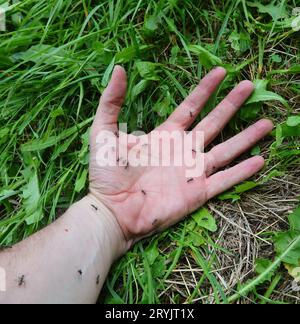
(111, 101)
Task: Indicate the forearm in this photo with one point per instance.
(66, 262)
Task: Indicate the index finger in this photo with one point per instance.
(187, 112)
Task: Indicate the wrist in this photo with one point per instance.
(102, 223)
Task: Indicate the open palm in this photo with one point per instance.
(148, 199)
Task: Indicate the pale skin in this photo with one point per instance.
(68, 261)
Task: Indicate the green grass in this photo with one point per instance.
(55, 60)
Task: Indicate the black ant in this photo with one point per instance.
(96, 208)
(190, 180)
(21, 281)
(144, 193)
(98, 280)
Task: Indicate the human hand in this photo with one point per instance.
(149, 199)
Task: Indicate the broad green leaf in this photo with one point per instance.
(240, 42)
(276, 11)
(151, 25)
(83, 154)
(46, 54)
(31, 196)
(130, 53)
(288, 131)
(261, 265)
(164, 106)
(287, 246)
(103, 55)
(293, 121)
(171, 25)
(148, 70)
(255, 151)
(152, 252)
(294, 220)
(282, 243)
(250, 112)
(81, 181)
(271, 175)
(261, 94)
(195, 239)
(205, 219)
(57, 112)
(159, 267)
(139, 88)
(229, 196)
(279, 135)
(246, 187)
(276, 58)
(175, 55)
(207, 59)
